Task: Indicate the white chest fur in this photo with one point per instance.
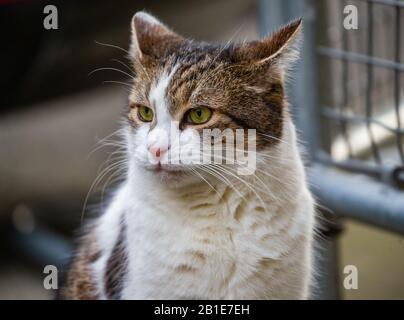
(197, 242)
(217, 249)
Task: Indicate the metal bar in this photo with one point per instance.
(306, 99)
(359, 58)
(316, 134)
(397, 85)
(345, 92)
(358, 197)
(332, 113)
(390, 174)
(352, 165)
(369, 86)
(327, 286)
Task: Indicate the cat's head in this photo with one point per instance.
(182, 88)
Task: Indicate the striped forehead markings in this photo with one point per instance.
(158, 96)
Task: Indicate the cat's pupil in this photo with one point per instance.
(199, 113)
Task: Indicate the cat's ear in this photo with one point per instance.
(282, 46)
(151, 38)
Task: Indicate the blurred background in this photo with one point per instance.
(58, 118)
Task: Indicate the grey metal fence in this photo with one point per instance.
(349, 108)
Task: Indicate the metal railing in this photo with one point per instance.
(371, 114)
(348, 106)
(344, 117)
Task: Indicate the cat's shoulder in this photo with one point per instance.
(80, 283)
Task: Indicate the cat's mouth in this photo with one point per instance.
(166, 167)
(166, 171)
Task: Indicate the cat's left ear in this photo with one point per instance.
(281, 47)
(151, 38)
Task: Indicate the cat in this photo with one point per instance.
(203, 231)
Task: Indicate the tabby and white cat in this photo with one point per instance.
(189, 231)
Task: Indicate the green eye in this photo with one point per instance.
(199, 115)
(145, 113)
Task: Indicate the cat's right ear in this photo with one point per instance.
(151, 38)
(281, 47)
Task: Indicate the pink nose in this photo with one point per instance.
(157, 151)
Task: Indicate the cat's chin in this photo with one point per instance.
(166, 174)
